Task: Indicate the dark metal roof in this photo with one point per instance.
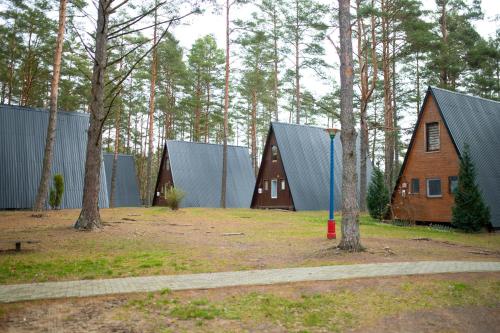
(475, 121)
(305, 152)
(197, 170)
(127, 188)
(22, 143)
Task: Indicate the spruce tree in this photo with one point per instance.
(470, 213)
(378, 195)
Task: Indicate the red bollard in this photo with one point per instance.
(331, 230)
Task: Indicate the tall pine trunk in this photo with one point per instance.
(114, 166)
(226, 116)
(90, 217)
(43, 188)
(207, 113)
(389, 145)
(151, 118)
(443, 26)
(253, 131)
(350, 223)
(394, 110)
(297, 64)
(418, 83)
(366, 93)
(275, 63)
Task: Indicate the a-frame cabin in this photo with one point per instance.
(23, 131)
(196, 169)
(295, 170)
(446, 123)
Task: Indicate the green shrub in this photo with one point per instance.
(56, 193)
(469, 212)
(174, 196)
(377, 198)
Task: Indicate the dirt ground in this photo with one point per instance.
(114, 314)
(153, 241)
(157, 241)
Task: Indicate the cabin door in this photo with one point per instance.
(274, 189)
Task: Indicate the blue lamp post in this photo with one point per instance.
(331, 218)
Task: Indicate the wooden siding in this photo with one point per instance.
(270, 170)
(423, 165)
(165, 180)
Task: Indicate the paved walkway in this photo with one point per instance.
(83, 288)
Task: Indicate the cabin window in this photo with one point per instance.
(274, 153)
(274, 188)
(167, 164)
(432, 136)
(434, 188)
(415, 186)
(266, 185)
(452, 183)
(283, 185)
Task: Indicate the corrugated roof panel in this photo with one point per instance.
(22, 143)
(476, 121)
(127, 188)
(197, 170)
(305, 151)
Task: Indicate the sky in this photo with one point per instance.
(208, 23)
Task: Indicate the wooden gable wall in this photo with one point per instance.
(269, 170)
(164, 180)
(423, 165)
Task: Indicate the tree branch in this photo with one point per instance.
(82, 41)
(126, 54)
(125, 24)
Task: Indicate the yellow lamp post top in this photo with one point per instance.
(332, 131)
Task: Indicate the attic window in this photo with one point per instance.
(274, 153)
(432, 136)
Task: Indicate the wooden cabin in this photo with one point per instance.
(446, 123)
(295, 170)
(196, 169)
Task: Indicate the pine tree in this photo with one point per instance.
(350, 240)
(377, 196)
(470, 213)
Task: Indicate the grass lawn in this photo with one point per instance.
(151, 241)
(140, 241)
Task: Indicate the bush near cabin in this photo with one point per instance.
(173, 197)
(469, 213)
(56, 193)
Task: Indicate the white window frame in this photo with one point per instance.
(427, 188)
(274, 189)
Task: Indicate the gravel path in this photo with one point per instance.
(85, 288)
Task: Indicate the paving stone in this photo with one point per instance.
(86, 288)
